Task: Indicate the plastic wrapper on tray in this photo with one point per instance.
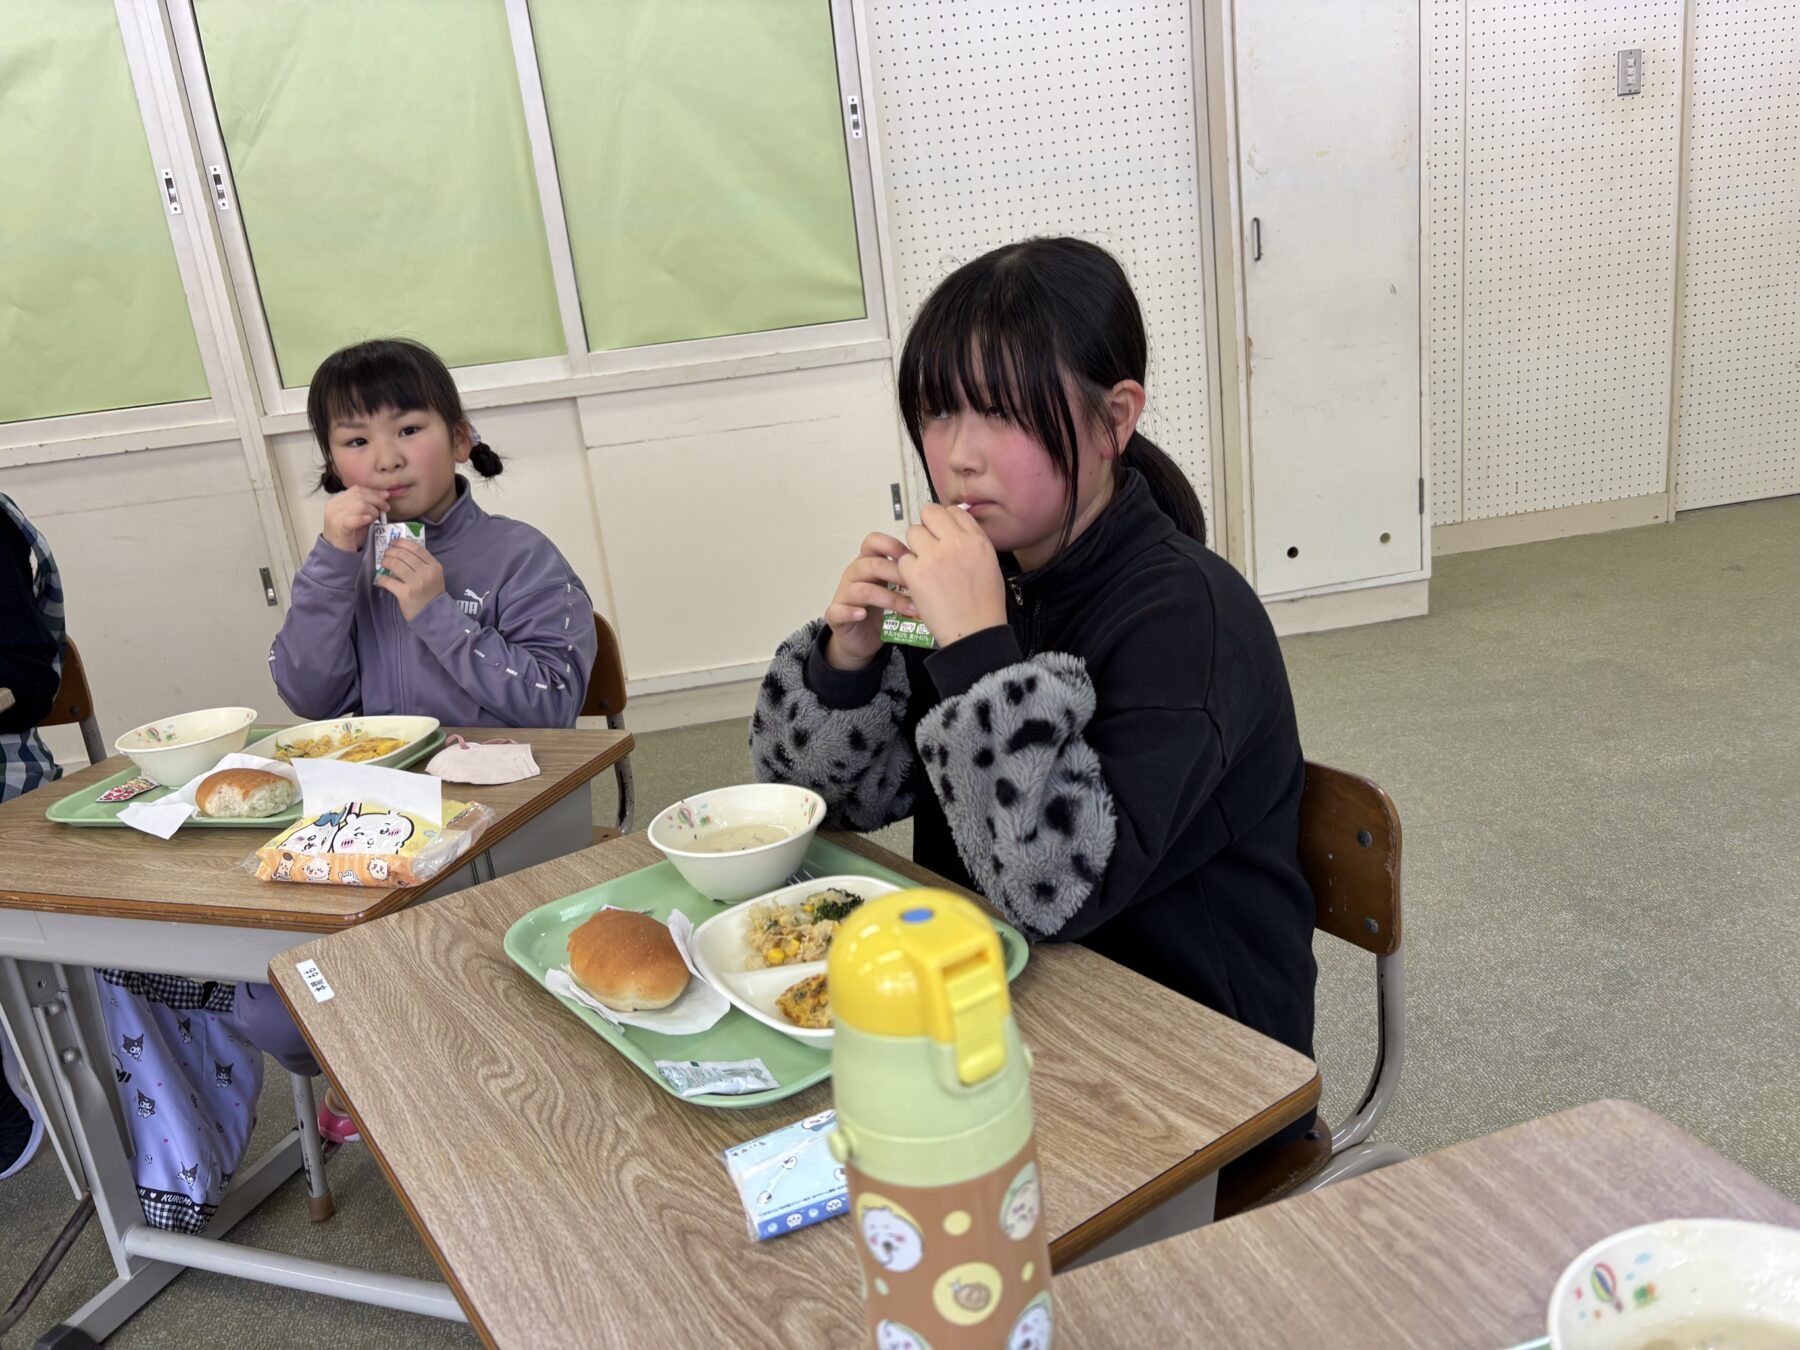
(368, 844)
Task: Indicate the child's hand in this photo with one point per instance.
(953, 574)
(411, 575)
(855, 611)
(349, 514)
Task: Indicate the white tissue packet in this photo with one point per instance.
(787, 1179)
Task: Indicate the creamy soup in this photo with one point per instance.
(1721, 1333)
(737, 838)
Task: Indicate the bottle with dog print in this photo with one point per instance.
(934, 1127)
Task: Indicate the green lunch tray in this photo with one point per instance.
(539, 942)
(80, 808)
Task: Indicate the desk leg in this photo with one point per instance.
(73, 1025)
(25, 987)
(147, 1258)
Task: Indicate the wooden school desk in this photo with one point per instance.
(570, 1200)
(1456, 1249)
(74, 898)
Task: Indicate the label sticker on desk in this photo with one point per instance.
(321, 989)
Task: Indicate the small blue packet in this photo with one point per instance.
(787, 1179)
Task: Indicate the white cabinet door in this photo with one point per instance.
(1328, 136)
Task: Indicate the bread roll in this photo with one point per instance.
(243, 794)
(627, 960)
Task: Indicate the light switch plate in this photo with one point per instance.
(1631, 71)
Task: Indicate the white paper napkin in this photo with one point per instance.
(698, 1008)
(168, 814)
(327, 784)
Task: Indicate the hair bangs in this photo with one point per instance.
(363, 386)
(986, 341)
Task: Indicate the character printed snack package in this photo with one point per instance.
(366, 843)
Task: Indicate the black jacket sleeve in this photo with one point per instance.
(27, 650)
(840, 733)
(1067, 788)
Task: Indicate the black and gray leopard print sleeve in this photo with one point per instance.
(855, 758)
(1032, 815)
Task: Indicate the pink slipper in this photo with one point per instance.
(338, 1129)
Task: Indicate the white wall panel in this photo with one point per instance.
(728, 510)
(1569, 253)
(1444, 31)
(1002, 119)
(1738, 411)
(159, 551)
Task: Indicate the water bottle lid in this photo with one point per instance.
(924, 963)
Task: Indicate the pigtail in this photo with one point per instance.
(485, 460)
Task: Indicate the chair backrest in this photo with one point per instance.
(606, 686)
(1350, 853)
(74, 703)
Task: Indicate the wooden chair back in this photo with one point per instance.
(606, 686)
(74, 703)
(1350, 853)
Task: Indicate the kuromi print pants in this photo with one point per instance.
(188, 1080)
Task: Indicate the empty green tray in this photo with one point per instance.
(80, 808)
(539, 942)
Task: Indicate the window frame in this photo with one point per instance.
(30, 441)
(583, 371)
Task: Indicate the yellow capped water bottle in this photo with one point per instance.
(933, 1095)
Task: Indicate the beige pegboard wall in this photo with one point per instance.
(1444, 28)
(1567, 252)
(1738, 409)
(1002, 119)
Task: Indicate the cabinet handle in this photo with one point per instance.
(1255, 238)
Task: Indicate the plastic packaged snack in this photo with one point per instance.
(365, 843)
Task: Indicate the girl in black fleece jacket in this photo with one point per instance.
(1103, 742)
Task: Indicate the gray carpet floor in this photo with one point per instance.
(1595, 748)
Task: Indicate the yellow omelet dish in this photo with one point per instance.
(354, 751)
(807, 1004)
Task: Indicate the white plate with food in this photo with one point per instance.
(389, 742)
(768, 955)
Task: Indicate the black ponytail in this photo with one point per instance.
(486, 461)
(1012, 330)
(1169, 486)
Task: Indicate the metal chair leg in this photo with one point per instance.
(627, 789)
(38, 1278)
(319, 1204)
(1354, 1162)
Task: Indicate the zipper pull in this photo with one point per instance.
(1018, 591)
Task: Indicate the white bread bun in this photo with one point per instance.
(243, 794)
(627, 960)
